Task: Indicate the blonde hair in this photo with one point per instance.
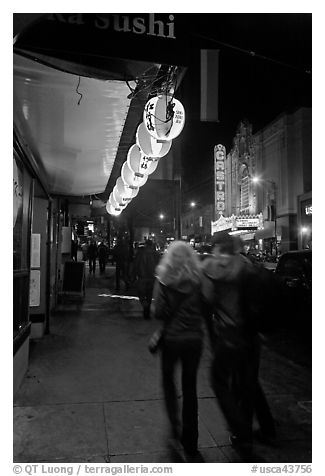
(169, 271)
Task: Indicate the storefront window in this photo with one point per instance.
(17, 213)
(22, 195)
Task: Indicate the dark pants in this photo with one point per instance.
(92, 265)
(263, 413)
(188, 354)
(121, 272)
(102, 265)
(145, 290)
(234, 378)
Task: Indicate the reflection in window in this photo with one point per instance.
(17, 213)
(22, 193)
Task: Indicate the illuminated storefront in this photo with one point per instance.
(305, 215)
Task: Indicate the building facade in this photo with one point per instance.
(284, 164)
(268, 184)
(196, 223)
(240, 167)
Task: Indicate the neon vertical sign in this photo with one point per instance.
(219, 180)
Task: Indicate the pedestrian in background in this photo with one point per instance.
(102, 256)
(178, 303)
(143, 272)
(121, 259)
(74, 249)
(229, 281)
(92, 256)
(84, 249)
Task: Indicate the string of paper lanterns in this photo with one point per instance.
(163, 121)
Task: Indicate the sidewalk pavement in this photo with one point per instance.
(92, 392)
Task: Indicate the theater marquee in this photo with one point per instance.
(242, 223)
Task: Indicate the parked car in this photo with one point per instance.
(294, 269)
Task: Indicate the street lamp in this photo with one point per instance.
(305, 233)
(192, 204)
(274, 186)
(161, 216)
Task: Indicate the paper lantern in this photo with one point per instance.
(132, 178)
(140, 163)
(111, 210)
(164, 117)
(134, 157)
(126, 190)
(114, 203)
(122, 201)
(150, 146)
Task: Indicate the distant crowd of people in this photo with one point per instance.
(91, 251)
(133, 263)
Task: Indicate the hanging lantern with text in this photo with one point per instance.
(122, 201)
(126, 191)
(140, 163)
(132, 178)
(164, 117)
(150, 146)
(115, 204)
(111, 210)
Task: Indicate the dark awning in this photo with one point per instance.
(119, 46)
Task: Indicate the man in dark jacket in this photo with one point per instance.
(102, 256)
(121, 258)
(144, 265)
(92, 256)
(229, 286)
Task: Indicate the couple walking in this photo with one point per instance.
(189, 295)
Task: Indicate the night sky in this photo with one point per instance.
(249, 87)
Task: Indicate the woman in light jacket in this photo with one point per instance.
(178, 303)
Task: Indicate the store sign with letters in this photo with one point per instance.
(247, 223)
(219, 179)
(146, 25)
(309, 210)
